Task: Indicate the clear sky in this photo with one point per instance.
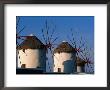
(84, 25)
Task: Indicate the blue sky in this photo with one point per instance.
(83, 25)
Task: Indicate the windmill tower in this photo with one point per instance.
(80, 65)
(31, 53)
(65, 58)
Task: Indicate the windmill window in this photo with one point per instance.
(58, 52)
(19, 57)
(24, 50)
(20, 62)
(23, 65)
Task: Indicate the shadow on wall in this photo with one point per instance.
(70, 66)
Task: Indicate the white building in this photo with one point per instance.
(80, 65)
(32, 54)
(65, 58)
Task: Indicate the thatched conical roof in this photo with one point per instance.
(64, 47)
(80, 62)
(31, 42)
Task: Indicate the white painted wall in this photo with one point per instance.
(80, 69)
(33, 58)
(59, 58)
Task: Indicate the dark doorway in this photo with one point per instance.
(23, 65)
(59, 69)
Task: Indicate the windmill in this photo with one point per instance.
(31, 51)
(65, 58)
(49, 40)
(81, 49)
(18, 37)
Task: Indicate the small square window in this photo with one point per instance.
(24, 50)
(23, 65)
(59, 69)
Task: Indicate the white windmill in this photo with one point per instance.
(31, 53)
(65, 58)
